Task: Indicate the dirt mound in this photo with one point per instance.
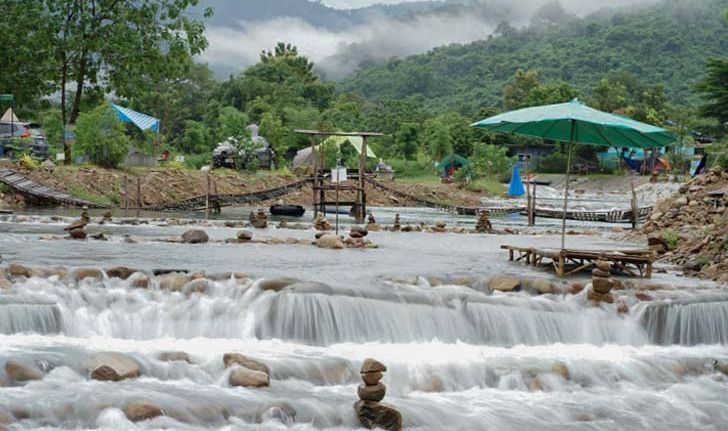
(160, 186)
(691, 228)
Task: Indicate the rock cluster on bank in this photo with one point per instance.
(691, 228)
(371, 413)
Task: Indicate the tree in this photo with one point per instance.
(271, 127)
(53, 129)
(196, 138)
(100, 136)
(407, 140)
(490, 160)
(517, 90)
(112, 45)
(547, 94)
(439, 142)
(713, 89)
(231, 123)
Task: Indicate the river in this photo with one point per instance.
(459, 356)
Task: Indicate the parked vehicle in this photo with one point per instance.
(24, 138)
(229, 154)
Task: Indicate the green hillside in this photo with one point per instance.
(663, 44)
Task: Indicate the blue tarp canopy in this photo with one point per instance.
(142, 121)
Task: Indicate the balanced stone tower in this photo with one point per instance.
(602, 283)
(396, 227)
(483, 225)
(371, 413)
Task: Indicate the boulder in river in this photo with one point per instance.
(358, 232)
(174, 357)
(504, 283)
(375, 415)
(601, 285)
(121, 272)
(112, 366)
(277, 283)
(243, 376)
(330, 241)
(238, 358)
(79, 233)
(22, 372)
(17, 270)
(245, 236)
(141, 410)
(195, 236)
(82, 273)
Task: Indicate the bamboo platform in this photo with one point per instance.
(637, 263)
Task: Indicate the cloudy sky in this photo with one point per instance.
(351, 4)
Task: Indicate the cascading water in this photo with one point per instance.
(458, 357)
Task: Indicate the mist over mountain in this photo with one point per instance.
(342, 42)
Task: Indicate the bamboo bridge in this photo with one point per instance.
(40, 193)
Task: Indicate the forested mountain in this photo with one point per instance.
(667, 43)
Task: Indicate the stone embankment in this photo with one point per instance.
(691, 228)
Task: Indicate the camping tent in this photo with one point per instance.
(451, 163)
(307, 157)
(9, 117)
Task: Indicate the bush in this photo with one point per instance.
(100, 135)
(554, 163)
(491, 160)
(175, 165)
(28, 162)
(465, 175)
(197, 161)
(671, 237)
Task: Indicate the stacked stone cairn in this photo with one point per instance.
(439, 227)
(77, 229)
(320, 223)
(483, 225)
(397, 226)
(602, 283)
(259, 220)
(372, 223)
(371, 413)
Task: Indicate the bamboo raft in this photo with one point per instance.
(612, 216)
(39, 192)
(637, 262)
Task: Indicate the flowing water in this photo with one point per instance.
(459, 356)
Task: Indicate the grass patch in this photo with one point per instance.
(104, 200)
(490, 186)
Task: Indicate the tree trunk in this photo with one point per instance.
(80, 78)
(64, 79)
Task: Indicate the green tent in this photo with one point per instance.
(455, 161)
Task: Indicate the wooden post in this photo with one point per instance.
(207, 196)
(139, 195)
(126, 195)
(533, 206)
(315, 179)
(361, 197)
(634, 208)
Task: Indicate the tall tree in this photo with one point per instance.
(517, 90)
(114, 45)
(714, 90)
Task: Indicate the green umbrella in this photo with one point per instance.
(576, 123)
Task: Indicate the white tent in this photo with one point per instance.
(9, 117)
(306, 156)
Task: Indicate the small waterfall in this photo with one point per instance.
(688, 322)
(20, 316)
(325, 319)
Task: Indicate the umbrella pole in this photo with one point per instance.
(566, 187)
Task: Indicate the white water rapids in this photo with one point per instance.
(459, 356)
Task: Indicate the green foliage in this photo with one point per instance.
(675, 38)
(230, 122)
(27, 162)
(439, 141)
(53, 128)
(671, 238)
(554, 163)
(714, 90)
(421, 168)
(196, 138)
(272, 128)
(104, 200)
(175, 165)
(406, 140)
(100, 136)
(197, 161)
(490, 160)
(465, 175)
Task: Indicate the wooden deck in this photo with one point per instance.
(637, 263)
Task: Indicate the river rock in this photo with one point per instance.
(561, 369)
(599, 297)
(372, 366)
(643, 296)
(601, 285)
(195, 236)
(245, 235)
(320, 223)
(141, 282)
(330, 241)
(604, 265)
(21, 372)
(243, 376)
(79, 233)
(174, 282)
(281, 410)
(5, 283)
(542, 286)
(121, 272)
(374, 415)
(372, 392)
(358, 232)
(504, 283)
(141, 410)
(596, 272)
(82, 273)
(16, 270)
(238, 358)
(112, 366)
(174, 357)
(371, 378)
(277, 283)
